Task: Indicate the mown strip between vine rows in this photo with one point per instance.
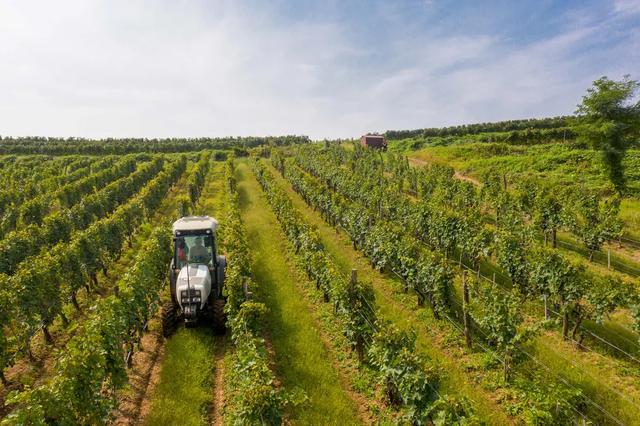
(408, 379)
(302, 361)
(186, 398)
(432, 339)
(594, 409)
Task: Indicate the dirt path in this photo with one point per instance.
(457, 174)
(143, 377)
(217, 413)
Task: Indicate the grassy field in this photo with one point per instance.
(181, 379)
(556, 163)
(184, 395)
(403, 312)
(301, 358)
(598, 375)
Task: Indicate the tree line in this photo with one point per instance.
(66, 146)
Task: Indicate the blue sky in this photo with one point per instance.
(326, 69)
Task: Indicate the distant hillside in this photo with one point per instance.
(514, 130)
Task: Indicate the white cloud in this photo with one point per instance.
(133, 68)
(627, 7)
(201, 68)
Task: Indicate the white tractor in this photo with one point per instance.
(196, 276)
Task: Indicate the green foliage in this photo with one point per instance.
(450, 411)
(512, 126)
(197, 177)
(595, 222)
(43, 283)
(552, 275)
(512, 258)
(384, 241)
(256, 400)
(499, 315)
(117, 186)
(82, 389)
(549, 215)
(353, 301)
(403, 374)
(184, 205)
(610, 121)
(548, 404)
(60, 146)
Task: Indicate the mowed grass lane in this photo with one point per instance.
(301, 358)
(588, 372)
(184, 394)
(401, 310)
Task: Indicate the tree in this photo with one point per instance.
(610, 121)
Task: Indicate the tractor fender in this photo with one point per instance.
(221, 266)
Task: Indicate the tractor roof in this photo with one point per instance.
(195, 223)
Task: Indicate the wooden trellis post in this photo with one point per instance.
(465, 309)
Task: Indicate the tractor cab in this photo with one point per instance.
(194, 241)
(196, 273)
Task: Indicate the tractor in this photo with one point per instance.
(196, 276)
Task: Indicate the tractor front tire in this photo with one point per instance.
(219, 317)
(169, 314)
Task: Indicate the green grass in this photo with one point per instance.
(557, 163)
(401, 309)
(630, 214)
(587, 370)
(212, 200)
(301, 358)
(184, 394)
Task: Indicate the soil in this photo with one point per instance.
(143, 377)
(217, 414)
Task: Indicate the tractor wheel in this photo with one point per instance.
(219, 317)
(169, 316)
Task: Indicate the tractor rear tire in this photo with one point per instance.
(219, 316)
(169, 314)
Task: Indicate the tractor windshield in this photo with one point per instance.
(194, 249)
